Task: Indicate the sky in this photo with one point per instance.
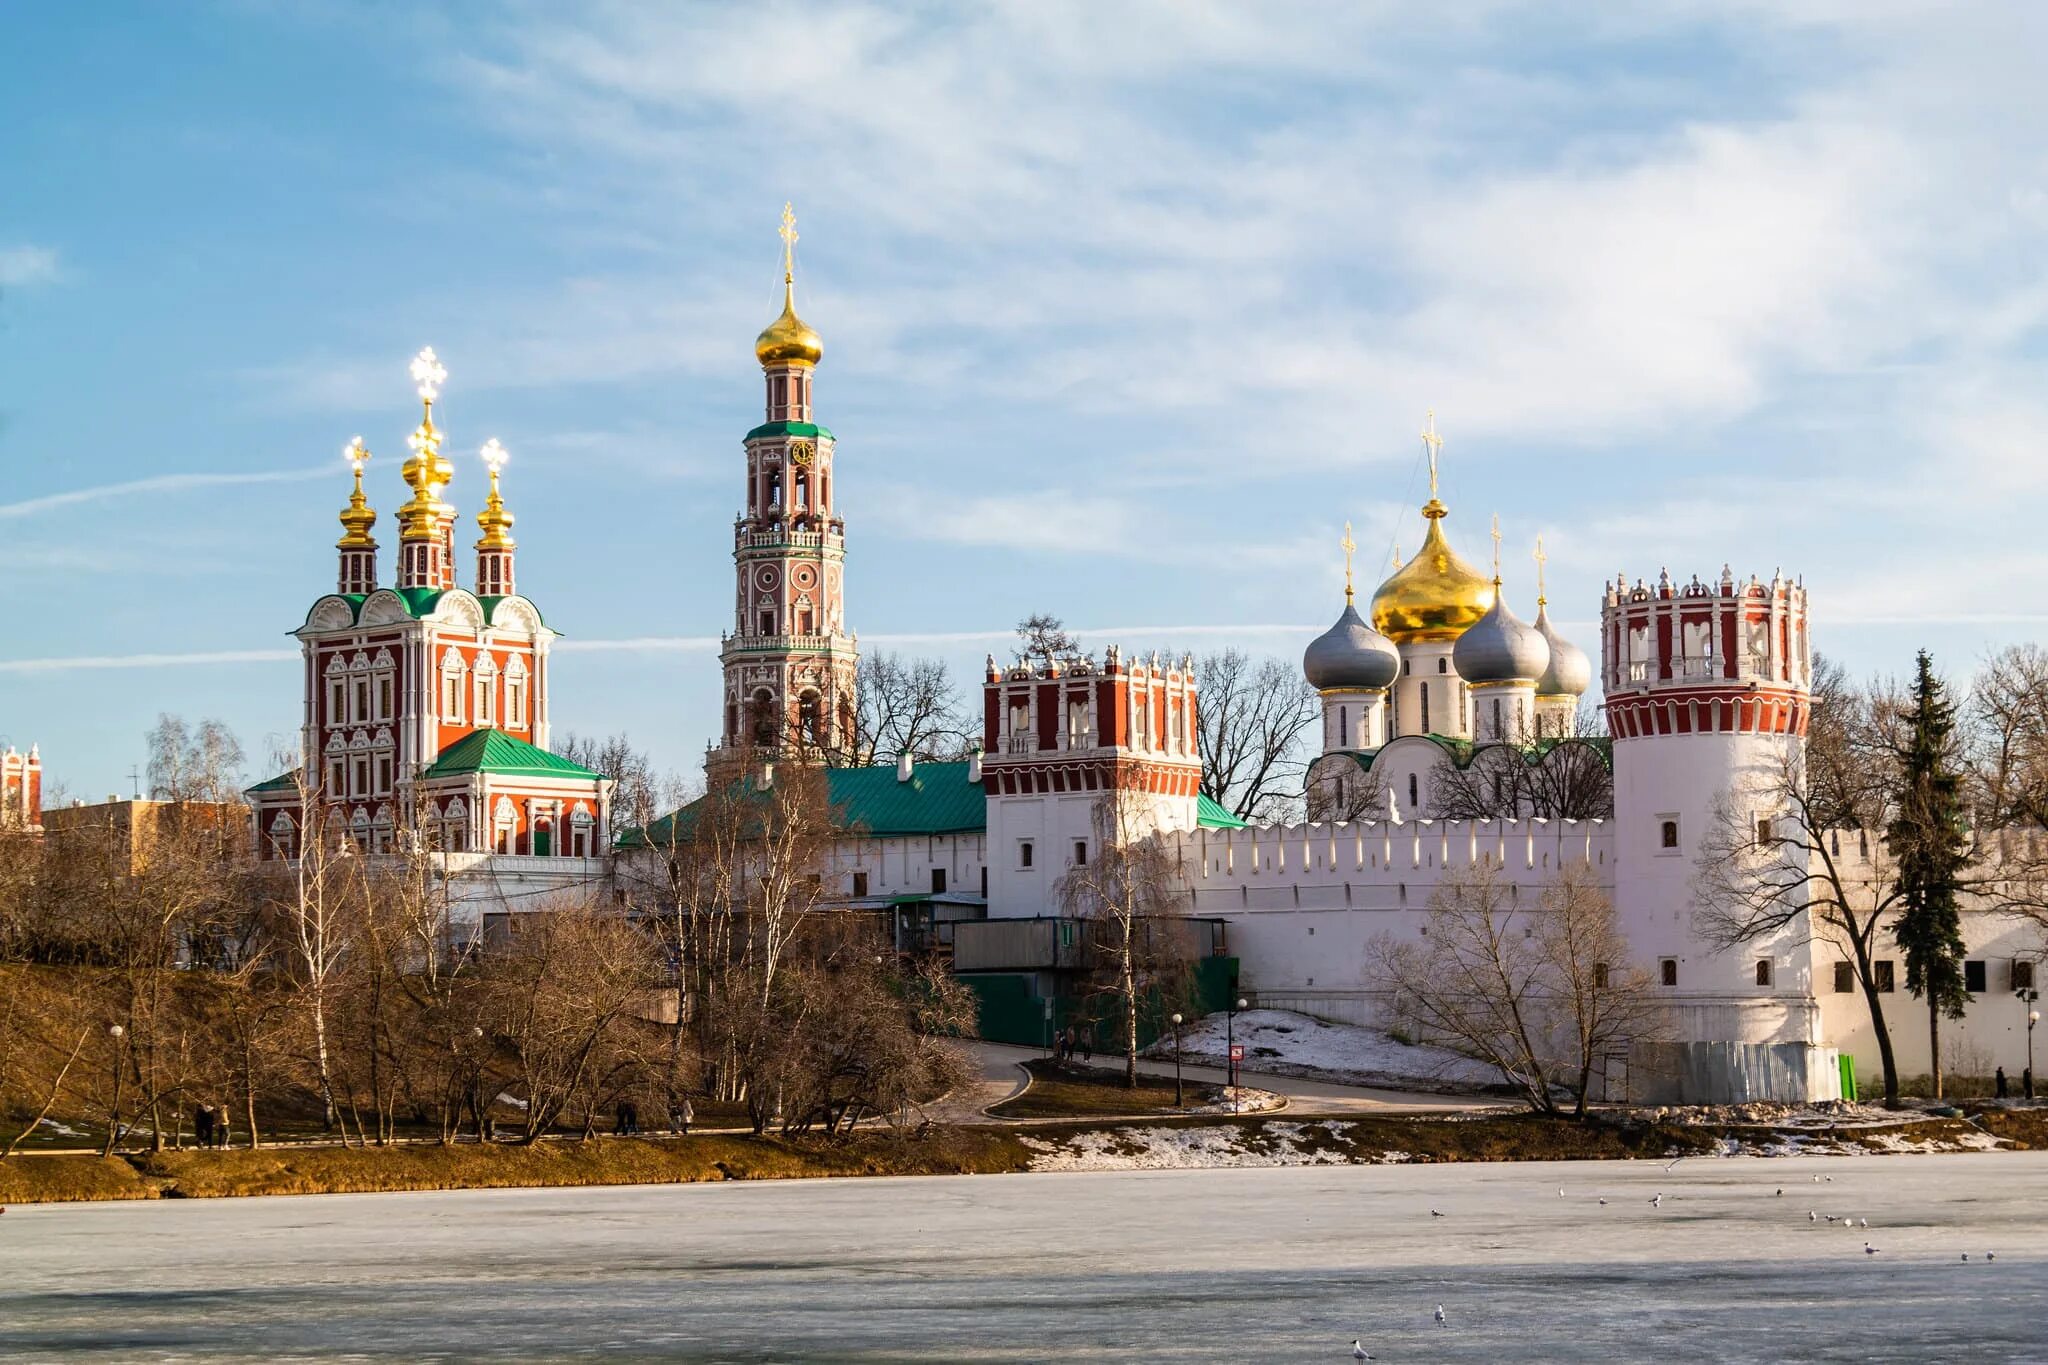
(1127, 309)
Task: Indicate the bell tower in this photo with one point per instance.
(788, 661)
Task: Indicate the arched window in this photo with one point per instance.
(763, 708)
(1425, 706)
(1414, 793)
(810, 718)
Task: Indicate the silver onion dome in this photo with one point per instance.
(1500, 647)
(1350, 654)
(1570, 673)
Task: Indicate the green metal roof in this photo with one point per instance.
(494, 751)
(938, 799)
(789, 429)
(283, 782)
(1209, 815)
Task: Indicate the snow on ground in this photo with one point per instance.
(1153, 1149)
(1246, 1101)
(1281, 1043)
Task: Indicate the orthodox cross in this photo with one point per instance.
(788, 235)
(1496, 549)
(1436, 447)
(1541, 560)
(1348, 546)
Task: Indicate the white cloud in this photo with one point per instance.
(161, 483)
(26, 265)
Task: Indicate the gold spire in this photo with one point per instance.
(1541, 559)
(788, 340)
(1435, 445)
(427, 473)
(1348, 544)
(358, 517)
(494, 520)
(1496, 552)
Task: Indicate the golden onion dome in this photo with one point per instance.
(788, 340)
(1434, 596)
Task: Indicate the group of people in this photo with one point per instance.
(680, 1115)
(1068, 1041)
(2026, 1083)
(210, 1126)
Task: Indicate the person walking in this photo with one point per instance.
(1999, 1082)
(220, 1127)
(202, 1125)
(2027, 1082)
(687, 1114)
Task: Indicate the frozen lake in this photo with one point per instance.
(1235, 1265)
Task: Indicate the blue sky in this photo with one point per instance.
(1126, 310)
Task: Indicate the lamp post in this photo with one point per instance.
(1230, 1043)
(1179, 1099)
(115, 1032)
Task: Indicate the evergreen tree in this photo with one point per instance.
(1928, 844)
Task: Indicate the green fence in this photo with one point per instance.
(1011, 1011)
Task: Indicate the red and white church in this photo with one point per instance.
(425, 710)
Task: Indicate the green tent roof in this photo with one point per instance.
(494, 751)
(789, 429)
(281, 783)
(1209, 815)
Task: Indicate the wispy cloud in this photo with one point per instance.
(26, 265)
(103, 662)
(161, 483)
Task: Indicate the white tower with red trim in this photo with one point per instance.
(1707, 688)
(788, 661)
(1063, 739)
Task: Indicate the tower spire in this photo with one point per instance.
(358, 548)
(1541, 559)
(1349, 545)
(1496, 553)
(425, 523)
(1434, 444)
(494, 550)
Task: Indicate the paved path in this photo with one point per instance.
(998, 1075)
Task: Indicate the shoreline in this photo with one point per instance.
(1032, 1147)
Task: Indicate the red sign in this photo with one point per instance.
(1237, 1052)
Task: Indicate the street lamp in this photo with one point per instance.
(1179, 1100)
(1230, 1043)
(2028, 995)
(116, 1033)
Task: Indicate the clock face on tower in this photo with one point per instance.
(801, 453)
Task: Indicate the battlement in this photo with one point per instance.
(1143, 707)
(1724, 657)
(1384, 851)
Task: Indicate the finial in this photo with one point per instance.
(1349, 545)
(1435, 445)
(357, 518)
(427, 472)
(1496, 550)
(1397, 559)
(494, 520)
(1541, 559)
(788, 235)
(428, 374)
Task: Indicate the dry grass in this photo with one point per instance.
(26, 1179)
(606, 1161)
(2025, 1129)
(1060, 1092)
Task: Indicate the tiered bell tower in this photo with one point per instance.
(789, 663)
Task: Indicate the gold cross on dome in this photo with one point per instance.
(788, 235)
(1348, 545)
(1541, 559)
(1496, 549)
(1436, 448)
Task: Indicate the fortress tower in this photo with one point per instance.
(789, 663)
(1706, 696)
(1062, 741)
(21, 790)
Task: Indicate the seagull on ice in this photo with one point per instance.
(1781, 1192)
(1869, 1250)
(1603, 1203)
(1813, 1217)
(1435, 1214)
(1440, 1320)
(1674, 1162)
(1560, 1191)
(1358, 1352)
(1966, 1255)
(1816, 1180)
(1866, 1222)
(1658, 1202)
(1990, 1255)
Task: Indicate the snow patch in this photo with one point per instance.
(1282, 1043)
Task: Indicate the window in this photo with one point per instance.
(337, 699)
(451, 691)
(1600, 976)
(1443, 665)
(1763, 831)
(1080, 853)
(1668, 971)
(1763, 971)
(1497, 732)
(1887, 979)
(1407, 667)
(383, 774)
(2022, 975)
(1414, 796)
(362, 706)
(486, 707)
(1845, 977)
(359, 776)
(1066, 933)
(1667, 833)
(767, 623)
(384, 696)
(515, 701)
(1973, 977)
(1024, 853)
(1425, 708)
(938, 881)
(860, 883)
(335, 777)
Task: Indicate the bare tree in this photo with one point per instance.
(1550, 778)
(316, 901)
(1538, 991)
(194, 765)
(640, 793)
(906, 706)
(2007, 716)
(1043, 639)
(1126, 894)
(1255, 716)
(1339, 789)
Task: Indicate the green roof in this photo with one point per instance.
(494, 751)
(938, 799)
(1209, 815)
(283, 782)
(789, 429)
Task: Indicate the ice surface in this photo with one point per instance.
(1280, 1041)
(1223, 1265)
